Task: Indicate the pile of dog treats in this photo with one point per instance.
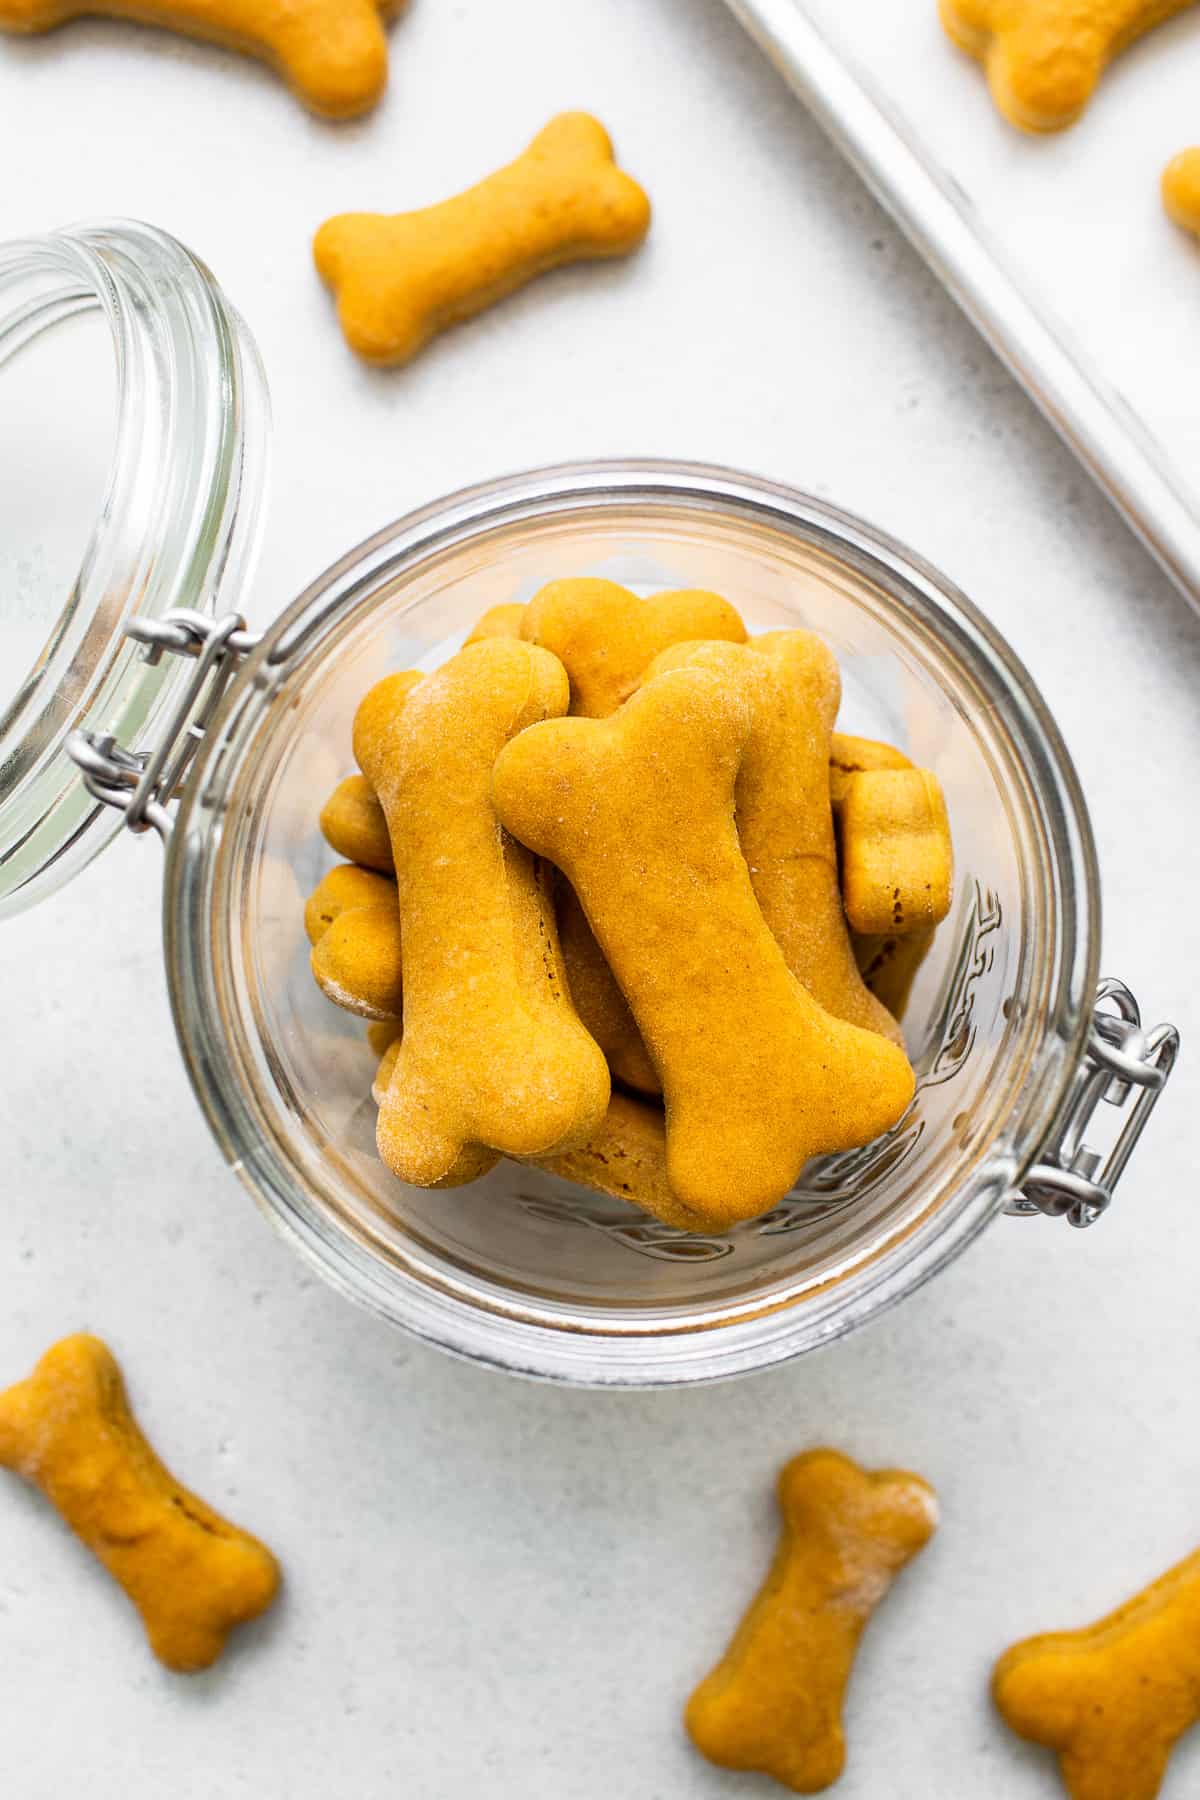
(621, 903)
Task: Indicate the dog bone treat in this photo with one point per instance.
(353, 924)
(1181, 189)
(599, 1002)
(383, 1074)
(638, 812)
(493, 1057)
(357, 963)
(897, 858)
(383, 1033)
(332, 53)
(774, 1701)
(626, 1158)
(1044, 57)
(344, 889)
(784, 818)
(606, 638)
(1113, 1698)
(889, 965)
(191, 1574)
(400, 279)
(851, 756)
(499, 621)
(353, 921)
(352, 823)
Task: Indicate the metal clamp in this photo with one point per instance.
(1124, 1066)
(141, 783)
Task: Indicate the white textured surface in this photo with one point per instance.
(495, 1587)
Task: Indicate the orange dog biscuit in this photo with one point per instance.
(1113, 1698)
(889, 965)
(352, 823)
(191, 1574)
(606, 638)
(851, 756)
(626, 1158)
(1181, 189)
(897, 859)
(389, 1056)
(493, 1056)
(353, 924)
(599, 1002)
(344, 889)
(499, 621)
(784, 819)
(332, 53)
(1045, 57)
(638, 812)
(774, 1701)
(353, 920)
(352, 819)
(383, 1033)
(400, 279)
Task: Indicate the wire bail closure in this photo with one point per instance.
(141, 783)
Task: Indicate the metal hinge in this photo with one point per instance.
(1125, 1067)
(141, 783)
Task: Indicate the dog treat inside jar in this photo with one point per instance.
(628, 923)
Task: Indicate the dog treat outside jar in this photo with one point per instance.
(225, 742)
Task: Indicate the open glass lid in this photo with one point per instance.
(133, 443)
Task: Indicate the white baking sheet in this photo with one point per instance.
(1078, 211)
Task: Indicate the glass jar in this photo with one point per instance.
(1013, 1042)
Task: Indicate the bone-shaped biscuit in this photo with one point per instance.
(383, 1033)
(599, 1002)
(499, 621)
(346, 888)
(606, 638)
(889, 965)
(1044, 57)
(888, 962)
(191, 1574)
(353, 922)
(774, 1701)
(897, 856)
(627, 1158)
(1113, 1698)
(332, 53)
(851, 756)
(784, 817)
(637, 810)
(1181, 189)
(401, 278)
(352, 819)
(352, 823)
(493, 1057)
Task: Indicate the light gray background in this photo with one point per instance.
(491, 1586)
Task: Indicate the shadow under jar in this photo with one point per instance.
(522, 1270)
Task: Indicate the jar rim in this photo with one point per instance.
(649, 1353)
(178, 525)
